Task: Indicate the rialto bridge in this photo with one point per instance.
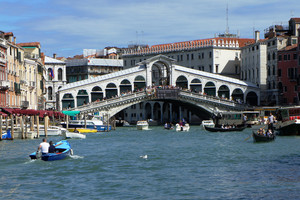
(114, 92)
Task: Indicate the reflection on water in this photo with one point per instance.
(179, 165)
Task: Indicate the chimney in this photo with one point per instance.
(15, 40)
(54, 55)
(257, 34)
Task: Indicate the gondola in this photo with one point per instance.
(262, 138)
(217, 129)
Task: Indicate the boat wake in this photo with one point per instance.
(76, 157)
(30, 161)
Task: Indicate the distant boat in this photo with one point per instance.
(142, 125)
(186, 127)
(72, 135)
(6, 135)
(62, 151)
(216, 129)
(262, 138)
(208, 123)
(90, 124)
(83, 130)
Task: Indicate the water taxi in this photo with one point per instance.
(288, 121)
(207, 123)
(142, 125)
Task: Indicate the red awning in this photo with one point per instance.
(29, 112)
(8, 110)
(3, 114)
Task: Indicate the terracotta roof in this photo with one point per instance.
(290, 48)
(9, 34)
(296, 19)
(29, 44)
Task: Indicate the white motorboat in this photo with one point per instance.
(73, 135)
(51, 130)
(207, 123)
(186, 127)
(142, 125)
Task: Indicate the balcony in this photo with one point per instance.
(2, 60)
(4, 85)
(23, 82)
(24, 104)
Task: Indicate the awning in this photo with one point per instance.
(3, 114)
(29, 112)
(70, 113)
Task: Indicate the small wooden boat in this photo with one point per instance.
(83, 130)
(216, 129)
(262, 138)
(61, 152)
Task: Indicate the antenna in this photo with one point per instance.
(227, 28)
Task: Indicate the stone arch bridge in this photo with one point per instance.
(114, 92)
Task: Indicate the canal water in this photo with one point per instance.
(179, 165)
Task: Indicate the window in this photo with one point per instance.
(192, 56)
(279, 57)
(295, 56)
(210, 69)
(187, 56)
(217, 68)
(284, 57)
(296, 88)
(181, 57)
(177, 57)
(59, 76)
(210, 54)
(125, 63)
(274, 56)
(269, 73)
(202, 55)
(289, 56)
(274, 70)
(273, 43)
(279, 72)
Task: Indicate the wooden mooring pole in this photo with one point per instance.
(12, 126)
(22, 126)
(37, 126)
(0, 127)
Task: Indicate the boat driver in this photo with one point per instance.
(44, 146)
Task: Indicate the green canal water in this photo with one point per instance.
(180, 165)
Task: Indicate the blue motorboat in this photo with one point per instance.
(90, 124)
(61, 151)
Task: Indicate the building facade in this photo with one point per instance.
(216, 55)
(81, 69)
(4, 84)
(55, 79)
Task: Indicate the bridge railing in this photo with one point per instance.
(212, 99)
(111, 101)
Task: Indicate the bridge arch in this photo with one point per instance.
(182, 82)
(238, 95)
(139, 83)
(111, 90)
(210, 89)
(82, 97)
(196, 85)
(148, 111)
(68, 101)
(157, 112)
(125, 86)
(224, 92)
(96, 94)
(160, 73)
(252, 98)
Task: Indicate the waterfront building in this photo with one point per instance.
(219, 55)
(15, 64)
(32, 51)
(81, 69)
(259, 60)
(30, 89)
(4, 84)
(289, 75)
(55, 79)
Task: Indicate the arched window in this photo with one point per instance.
(50, 93)
(59, 76)
(50, 74)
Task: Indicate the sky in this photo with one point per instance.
(66, 27)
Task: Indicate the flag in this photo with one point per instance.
(51, 74)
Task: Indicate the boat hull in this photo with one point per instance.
(72, 135)
(62, 151)
(261, 138)
(290, 127)
(99, 128)
(142, 127)
(215, 129)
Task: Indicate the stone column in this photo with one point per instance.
(171, 113)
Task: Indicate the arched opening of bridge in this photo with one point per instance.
(139, 83)
(238, 95)
(160, 73)
(224, 92)
(182, 82)
(97, 93)
(251, 99)
(196, 85)
(157, 112)
(210, 89)
(166, 113)
(82, 97)
(111, 90)
(125, 86)
(148, 111)
(67, 101)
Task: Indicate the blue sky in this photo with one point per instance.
(66, 27)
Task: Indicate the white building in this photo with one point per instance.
(216, 55)
(55, 79)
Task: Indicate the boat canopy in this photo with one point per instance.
(71, 112)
